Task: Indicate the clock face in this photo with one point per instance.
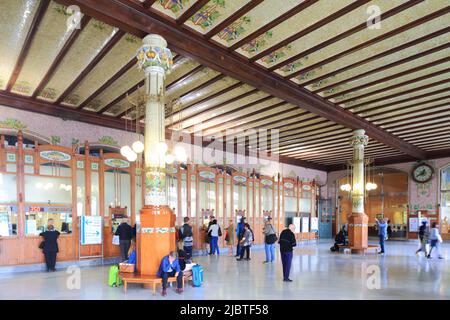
(422, 173)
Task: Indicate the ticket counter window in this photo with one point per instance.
(8, 188)
(117, 190)
(37, 219)
(8, 221)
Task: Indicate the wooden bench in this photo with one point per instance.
(374, 247)
(138, 278)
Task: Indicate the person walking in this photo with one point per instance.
(435, 240)
(245, 243)
(382, 232)
(50, 245)
(229, 237)
(125, 233)
(239, 234)
(215, 233)
(186, 235)
(287, 243)
(424, 235)
(208, 236)
(270, 237)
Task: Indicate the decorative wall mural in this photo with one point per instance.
(423, 189)
(258, 43)
(72, 99)
(55, 140)
(206, 16)
(53, 155)
(22, 87)
(11, 123)
(48, 93)
(117, 163)
(291, 67)
(108, 140)
(234, 30)
(61, 9)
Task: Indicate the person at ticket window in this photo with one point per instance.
(49, 245)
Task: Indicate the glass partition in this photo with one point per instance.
(81, 192)
(267, 196)
(305, 200)
(207, 190)
(8, 220)
(8, 188)
(240, 193)
(46, 190)
(95, 194)
(172, 191)
(37, 219)
(183, 195)
(117, 190)
(290, 201)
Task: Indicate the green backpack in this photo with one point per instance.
(114, 280)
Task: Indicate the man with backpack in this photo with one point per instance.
(270, 237)
(186, 236)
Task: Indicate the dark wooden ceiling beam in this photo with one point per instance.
(62, 53)
(217, 58)
(372, 58)
(117, 75)
(385, 79)
(360, 27)
(111, 43)
(37, 19)
(340, 13)
(191, 11)
(272, 24)
(236, 15)
(148, 3)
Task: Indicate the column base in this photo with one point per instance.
(358, 232)
(155, 238)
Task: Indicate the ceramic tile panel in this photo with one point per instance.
(49, 39)
(328, 31)
(192, 82)
(294, 25)
(200, 107)
(112, 62)
(213, 13)
(173, 8)
(256, 18)
(124, 83)
(15, 21)
(230, 106)
(388, 25)
(410, 76)
(88, 45)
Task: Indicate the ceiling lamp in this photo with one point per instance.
(180, 154)
(346, 187)
(132, 156)
(161, 148)
(125, 151)
(138, 146)
(169, 158)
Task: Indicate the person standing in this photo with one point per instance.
(382, 233)
(239, 234)
(246, 243)
(186, 235)
(208, 237)
(424, 234)
(287, 243)
(125, 233)
(215, 232)
(270, 237)
(50, 246)
(170, 267)
(229, 238)
(435, 240)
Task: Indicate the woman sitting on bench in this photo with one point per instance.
(170, 267)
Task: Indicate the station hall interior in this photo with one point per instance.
(324, 119)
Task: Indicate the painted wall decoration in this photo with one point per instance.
(149, 56)
(117, 163)
(53, 155)
(108, 140)
(174, 5)
(234, 30)
(423, 189)
(11, 123)
(206, 16)
(72, 99)
(258, 43)
(56, 140)
(22, 87)
(291, 67)
(276, 55)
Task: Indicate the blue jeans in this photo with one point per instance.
(214, 245)
(382, 239)
(270, 252)
(286, 260)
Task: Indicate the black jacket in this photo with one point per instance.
(287, 241)
(124, 231)
(50, 241)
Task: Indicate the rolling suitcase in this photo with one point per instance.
(113, 279)
(197, 275)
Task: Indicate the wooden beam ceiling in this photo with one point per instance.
(128, 17)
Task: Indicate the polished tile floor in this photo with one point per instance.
(317, 274)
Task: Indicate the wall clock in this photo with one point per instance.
(422, 173)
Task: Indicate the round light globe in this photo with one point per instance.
(132, 156)
(125, 151)
(138, 146)
(180, 154)
(169, 159)
(161, 148)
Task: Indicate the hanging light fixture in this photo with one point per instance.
(138, 146)
(125, 151)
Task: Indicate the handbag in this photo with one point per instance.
(220, 232)
(42, 244)
(116, 240)
(271, 238)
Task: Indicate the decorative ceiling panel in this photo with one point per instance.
(173, 8)
(15, 21)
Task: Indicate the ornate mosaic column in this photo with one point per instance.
(156, 228)
(358, 220)
(155, 59)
